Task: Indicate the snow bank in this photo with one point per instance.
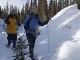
(62, 28)
(69, 51)
(2, 26)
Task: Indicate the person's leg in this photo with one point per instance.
(14, 40)
(31, 48)
(14, 43)
(9, 39)
(31, 41)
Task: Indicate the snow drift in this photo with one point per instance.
(63, 27)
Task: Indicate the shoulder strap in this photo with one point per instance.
(29, 20)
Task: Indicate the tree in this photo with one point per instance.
(0, 12)
(41, 10)
(59, 5)
(45, 7)
(11, 7)
(79, 4)
(19, 50)
(55, 7)
(66, 2)
(51, 9)
(4, 13)
(23, 14)
(35, 2)
(75, 1)
(16, 10)
(0, 9)
(27, 8)
(19, 15)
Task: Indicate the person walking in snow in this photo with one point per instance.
(12, 22)
(31, 23)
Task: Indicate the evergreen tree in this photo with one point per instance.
(18, 14)
(0, 8)
(59, 5)
(11, 7)
(45, 7)
(0, 12)
(27, 8)
(63, 4)
(41, 10)
(20, 49)
(51, 9)
(55, 6)
(66, 2)
(5, 13)
(16, 10)
(75, 1)
(31, 4)
(79, 4)
(35, 2)
(71, 2)
(23, 14)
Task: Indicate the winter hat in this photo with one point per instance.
(34, 9)
(13, 11)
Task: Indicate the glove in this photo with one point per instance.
(8, 22)
(46, 22)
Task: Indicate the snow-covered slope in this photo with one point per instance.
(62, 28)
(5, 54)
(59, 39)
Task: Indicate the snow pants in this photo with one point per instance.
(13, 38)
(31, 40)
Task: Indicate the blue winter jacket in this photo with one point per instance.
(33, 25)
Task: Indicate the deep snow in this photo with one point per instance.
(59, 39)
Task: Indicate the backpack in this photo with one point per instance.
(27, 24)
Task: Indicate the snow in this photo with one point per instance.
(58, 40)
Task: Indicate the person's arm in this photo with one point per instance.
(40, 22)
(26, 20)
(7, 20)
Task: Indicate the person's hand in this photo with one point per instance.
(8, 22)
(46, 22)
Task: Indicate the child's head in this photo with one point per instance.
(34, 9)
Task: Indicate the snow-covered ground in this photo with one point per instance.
(59, 39)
